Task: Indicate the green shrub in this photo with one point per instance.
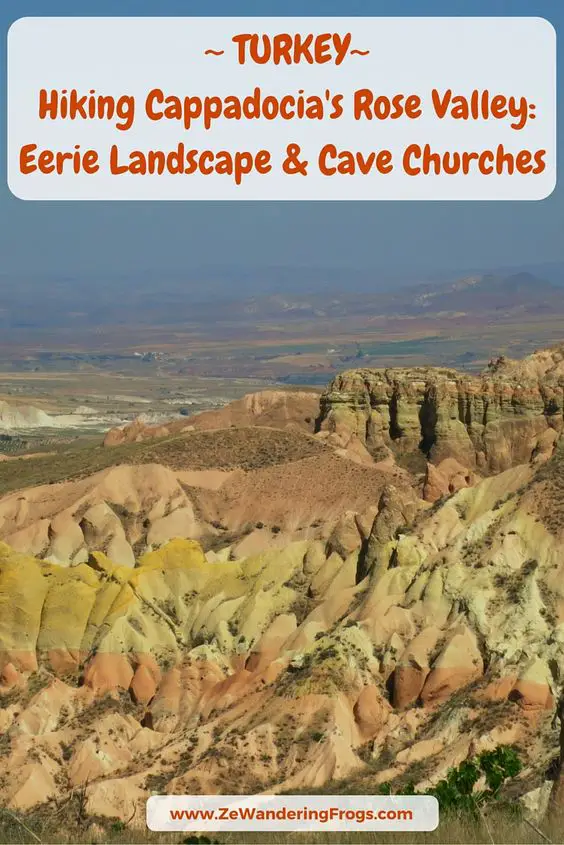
(457, 793)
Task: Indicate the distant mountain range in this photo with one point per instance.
(473, 295)
(287, 294)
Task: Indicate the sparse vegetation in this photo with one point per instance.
(457, 792)
(156, 783)
(220, 449)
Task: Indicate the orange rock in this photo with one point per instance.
(435, 484)
(412, 669)
(371, 711)
(108, 672)
(271, 643)
(24, 661)
(447, 477)
(228, 691)
(143, 685)
(532, 696)
(10, 677)
(498, 690)
(458, 664)
(63, 660)
(274, 408)
(407, 685)
(442, 683)
(165, 706)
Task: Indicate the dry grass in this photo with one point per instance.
(247, 448)
(497, 829)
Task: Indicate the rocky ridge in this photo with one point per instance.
(507, 416)
(295, 409)
(264, 499)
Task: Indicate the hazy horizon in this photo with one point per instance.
(391, 240)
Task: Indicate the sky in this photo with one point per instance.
(88, 240)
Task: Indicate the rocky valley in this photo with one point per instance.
(297, 592)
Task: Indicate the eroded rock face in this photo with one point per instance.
(128, 509)
(116, 510)
(445, 478)
(298, 663)
(487, 423)
(276, 408)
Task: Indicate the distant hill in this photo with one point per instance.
(276, 294)
(472, 295)
(475, 294)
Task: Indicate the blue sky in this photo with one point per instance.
(86, 240)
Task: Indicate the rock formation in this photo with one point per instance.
(306, 664)
(276, 408)
(128, 509)
(505, 417)
(17, 417)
